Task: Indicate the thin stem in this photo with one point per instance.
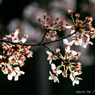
(42, 38)
(73, 19)
(29, 44)
(53, 52)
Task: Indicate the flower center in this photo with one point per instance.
(78, 28)
(66, 62)
(16, 47)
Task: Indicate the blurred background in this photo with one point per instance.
(21, 14)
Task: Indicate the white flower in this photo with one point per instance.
(73, 53)
(23, 40)
(67, 44)
(53, 77)
(49, 57)
(10, 75)
(77, 41)
(15, 73)
(15, 39)
(87, 41)
(16, 32)
(75, 80)
(55, 70)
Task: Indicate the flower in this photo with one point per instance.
(16, 73)
(24, 39)
(82, 30)
(55, 70)
(16, 56)
(14, 36)
(53, 77)
(67, 44)
(50, 57)
(52, 27)
(75, 80)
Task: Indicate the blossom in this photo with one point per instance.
(53, 77)
(67, 44)
(55, 70)
(50, 57)
(82, 30)
(16, 73)
(14, 36)
(75, 80)
(52, 27)
(24, 39)
(17, 54)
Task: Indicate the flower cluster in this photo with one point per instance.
(15, 51)
(83, 30)
(53, 26)
(74, 68)
(15, 55)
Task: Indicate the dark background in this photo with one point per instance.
(35, 81)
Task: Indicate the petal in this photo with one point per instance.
(8, 36)
(23, 40)
(50, 72)
(67, 49)
(10, 76)
(16, 78)
(16, 32)
(50, 61)
(65, 41)
(50, 78)
(56, 79)
(76, 73)
(74, 52)
(68, 27)
(71, 43)
(22, 72)
(0, 56)
(49, 53)
(90, 42)
(71, 77)
(53, 67)
(59, 72)
(75, 82)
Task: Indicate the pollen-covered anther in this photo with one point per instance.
(4, 38)
(78, 53)
(48, 18)
(58, 51)
(55, 22)
(64, 74)
(44, 15)
(70, 12)
(54, 32)
(75, 57)
(38, 18)
(26, 36)
(66, 62)
(44, 26)
(77, 15)
(52, 23)
(57, 18)
(53, 37)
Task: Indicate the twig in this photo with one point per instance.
(53, 52)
